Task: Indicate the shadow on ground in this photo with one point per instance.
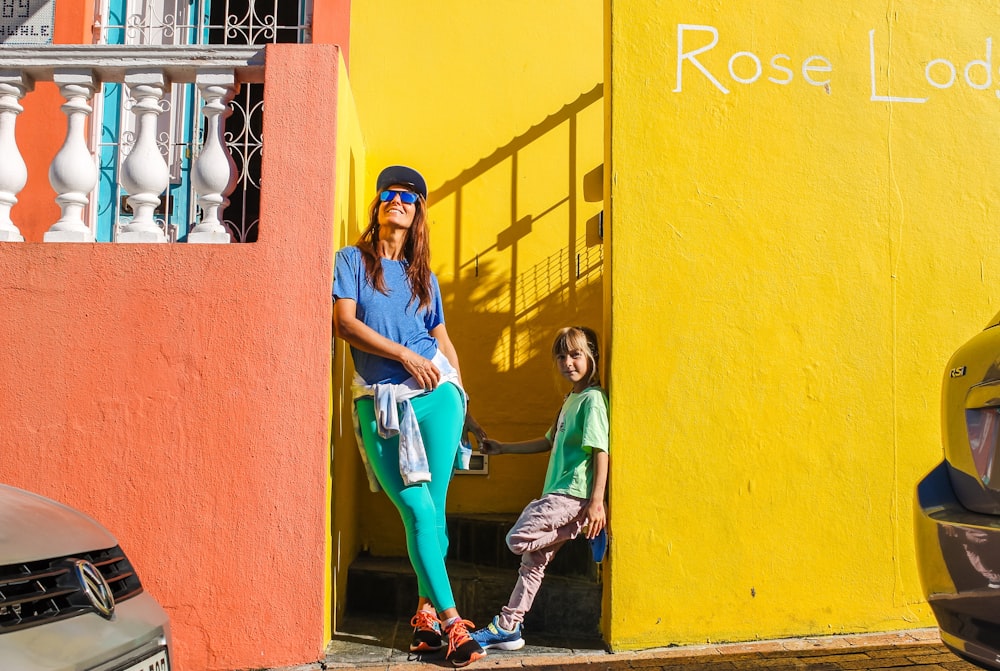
(376, 641)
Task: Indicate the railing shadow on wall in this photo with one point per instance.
(520, 310)
(147, 72)
(509, 310)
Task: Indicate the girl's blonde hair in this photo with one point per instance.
(583, 339)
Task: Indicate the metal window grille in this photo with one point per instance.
(194, 22)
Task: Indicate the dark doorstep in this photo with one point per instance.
(372, 640)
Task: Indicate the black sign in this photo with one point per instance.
(26, 21)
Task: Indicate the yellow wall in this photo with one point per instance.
(500, 106)
(792, 264)
(345, 459)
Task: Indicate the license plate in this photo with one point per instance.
(157, 662)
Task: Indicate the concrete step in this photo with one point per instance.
(483, 571)
(387, 586)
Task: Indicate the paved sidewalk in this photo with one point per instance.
(912, 650)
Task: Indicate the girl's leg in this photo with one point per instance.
(554, 518)
(543, 527)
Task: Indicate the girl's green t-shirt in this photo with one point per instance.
(581, 428)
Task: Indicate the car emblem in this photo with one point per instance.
(95, 587)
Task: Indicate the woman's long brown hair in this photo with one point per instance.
(416, 252)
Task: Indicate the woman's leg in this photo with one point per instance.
(421, 506)
(441, 418)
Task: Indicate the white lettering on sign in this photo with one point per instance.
(26, 21)
(875, 96)
(748, 68)
(690, 56)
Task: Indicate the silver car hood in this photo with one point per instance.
(33, 527)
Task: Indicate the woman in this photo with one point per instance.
(387, 307)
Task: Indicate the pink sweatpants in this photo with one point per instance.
(543, 527)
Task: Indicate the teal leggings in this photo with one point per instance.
(422, 506)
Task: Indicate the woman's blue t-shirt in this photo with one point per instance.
(395, 316)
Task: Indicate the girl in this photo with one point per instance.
(573, 495)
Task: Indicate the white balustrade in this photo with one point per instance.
(73, 173)
(13, 171)
(144, 172)
(214, 172)
(79, 71)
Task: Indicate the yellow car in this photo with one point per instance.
(957, 512)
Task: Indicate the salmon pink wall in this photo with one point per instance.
(74, 21)
(331, 24)
(180, 394)
(36, 208)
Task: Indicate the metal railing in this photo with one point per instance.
(146, 71)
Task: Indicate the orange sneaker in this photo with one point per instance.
(462, 648)
(426, 632)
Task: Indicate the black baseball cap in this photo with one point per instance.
(400, 174)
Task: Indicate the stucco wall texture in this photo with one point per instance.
(347, 473)
(802, 206)
(798, 213)
(180, 394)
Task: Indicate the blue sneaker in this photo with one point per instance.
(599, 545)
(495, 636)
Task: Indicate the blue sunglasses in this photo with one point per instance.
(407, 197)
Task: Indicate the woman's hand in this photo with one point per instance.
(597, 518)
(423, 370)
(473, 427)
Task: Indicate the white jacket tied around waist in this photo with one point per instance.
(394, 415)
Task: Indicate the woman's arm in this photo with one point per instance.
(356, 333)
(447, 348)
(440, 333)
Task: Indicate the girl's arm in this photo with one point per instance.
(596, 515)
(356, 333)
(490, 446)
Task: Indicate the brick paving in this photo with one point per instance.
(912, 650)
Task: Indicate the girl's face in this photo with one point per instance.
(575, 367)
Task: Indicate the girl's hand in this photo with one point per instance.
(597, 518)
(490, 446)
(423, 370)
